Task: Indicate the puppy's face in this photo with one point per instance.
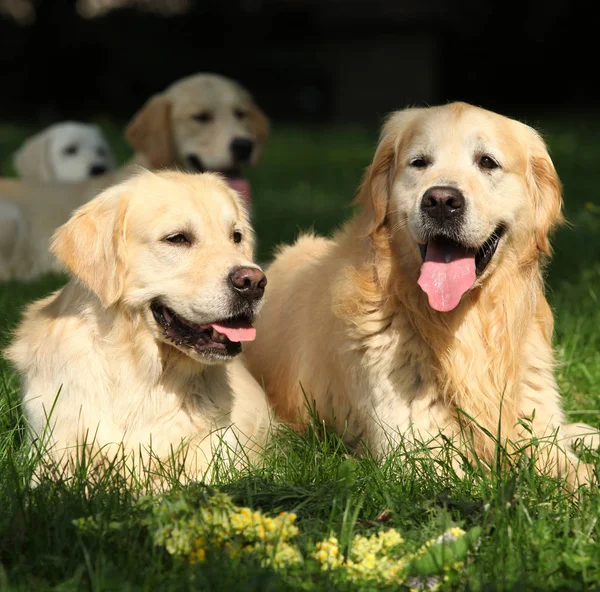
(178, 254)
(468, 188)
(78, 152)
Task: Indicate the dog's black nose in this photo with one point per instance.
(97, 169)
(195, 163)
(248, 282)
(443, 203)
(241, 149)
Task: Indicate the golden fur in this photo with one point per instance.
(347, 325)
(164, 133)
(96, 341)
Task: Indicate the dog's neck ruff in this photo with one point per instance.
(473, 354)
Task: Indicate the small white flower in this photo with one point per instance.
(428, 583)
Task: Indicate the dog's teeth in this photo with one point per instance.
(218, 337)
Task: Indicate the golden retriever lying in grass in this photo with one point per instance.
(426, 311)
(201, 123)
(135, 354)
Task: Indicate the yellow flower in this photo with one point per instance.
(232, 529)
(197, 556)
(328, 553)
(378, 559)
(450, 535)
(271, 525)
(390, 538)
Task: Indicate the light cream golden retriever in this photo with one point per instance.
(136, 353)
(201, 123)
(426, 311)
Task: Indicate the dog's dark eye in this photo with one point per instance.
(101, 151)
(240, 113)
(420, 162)
(179, 238)
(487, 162)
(237, 236)
(204, 117)
(70, 150)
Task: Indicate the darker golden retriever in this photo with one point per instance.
(425, 313)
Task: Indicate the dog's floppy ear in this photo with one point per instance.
(32, 160)
(259, 123)
(149, 133)
(546, 190)
(373, 193)
(91, 244)
(375, 188)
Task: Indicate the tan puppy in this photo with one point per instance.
(426, 310)
(134, 350)
(203, 122)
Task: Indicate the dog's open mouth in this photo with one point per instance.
(238, 183)
(234, 177)
(450, 269)
(222, 338)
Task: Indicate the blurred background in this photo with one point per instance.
(304, 60)
(326, 72)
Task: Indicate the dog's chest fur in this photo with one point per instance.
(113, 387)
(415, 374)
(392, 383)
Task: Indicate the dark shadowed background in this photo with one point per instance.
(326, 72)
(336, 61)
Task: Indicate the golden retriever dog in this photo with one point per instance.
(66, 152)
(136, 354)
(201, 123)
(424, 317)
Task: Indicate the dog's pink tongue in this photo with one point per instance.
(242, 186)
(447, 273)
(241, 332)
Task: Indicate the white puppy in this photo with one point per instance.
(135, 355)
(66, 152)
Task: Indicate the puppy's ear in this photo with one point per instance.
(91, 245)
(259, 124)
(376, 185)
(546, 190)
(32, 160)
(149, 133)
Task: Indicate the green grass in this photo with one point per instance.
(534, 535)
